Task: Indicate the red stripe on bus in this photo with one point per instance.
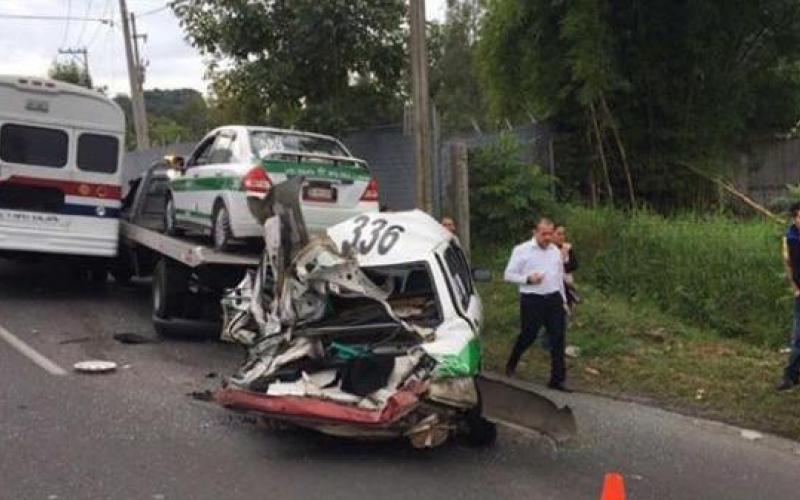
(70, 188)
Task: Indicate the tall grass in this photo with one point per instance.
(712, 271)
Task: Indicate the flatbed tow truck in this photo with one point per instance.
(189, 279)
(188, 276)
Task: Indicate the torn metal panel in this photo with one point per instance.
(507, 402)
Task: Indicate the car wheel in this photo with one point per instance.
(480, 432)
(221, 234)
(170, 220)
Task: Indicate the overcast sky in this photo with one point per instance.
(28, 47)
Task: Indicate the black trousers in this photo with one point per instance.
(535, 312)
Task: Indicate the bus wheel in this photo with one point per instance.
(97, 274)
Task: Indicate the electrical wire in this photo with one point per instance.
(83, 23)
(97, 29)
(153, 11)
(66, 26)
(55, 18)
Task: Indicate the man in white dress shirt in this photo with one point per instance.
(538, 268)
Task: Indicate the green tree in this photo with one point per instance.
(305, 63)
(645, 87)
(506, 196)
(70, 72)
(453, 79)
(165, 131)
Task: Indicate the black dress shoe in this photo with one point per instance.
(559, 386)
(785, 385)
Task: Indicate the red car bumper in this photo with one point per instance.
(321, 411)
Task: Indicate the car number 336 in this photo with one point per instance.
(372, 235)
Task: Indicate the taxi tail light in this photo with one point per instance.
(257, 180)
(371, 193)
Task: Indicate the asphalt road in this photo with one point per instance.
(136, 434)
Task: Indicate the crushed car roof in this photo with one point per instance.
(389, 238)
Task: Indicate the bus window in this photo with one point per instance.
(39, 146)
(98, 153)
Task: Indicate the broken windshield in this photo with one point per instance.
(264, 142)
(413, 295)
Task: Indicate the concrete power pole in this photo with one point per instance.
(135, 79)
(421, 105)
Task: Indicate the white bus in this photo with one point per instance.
(61, 149)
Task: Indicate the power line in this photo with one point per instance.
(153, 11)
(97, 29)
(110, 22)
(83, 23)
(66, 27)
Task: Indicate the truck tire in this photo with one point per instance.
(167, 289)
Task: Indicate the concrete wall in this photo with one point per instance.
(768, 167)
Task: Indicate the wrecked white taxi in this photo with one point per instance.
(370, 330)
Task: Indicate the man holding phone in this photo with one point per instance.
(536, 266)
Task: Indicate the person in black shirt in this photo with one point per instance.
(570, 264)
(791, 257)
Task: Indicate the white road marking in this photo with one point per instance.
(31, 353)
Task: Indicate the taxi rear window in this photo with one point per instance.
(263, 143)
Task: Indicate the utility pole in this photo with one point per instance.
(82, 51)
(135, 77)
(459, 171)
(421, 105)
(136, 36)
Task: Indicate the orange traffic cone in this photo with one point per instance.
(613, 487)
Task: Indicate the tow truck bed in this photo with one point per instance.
(189, 276)
(187, 251)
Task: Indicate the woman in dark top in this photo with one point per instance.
(570, 264)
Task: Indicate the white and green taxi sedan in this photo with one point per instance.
(209, 192)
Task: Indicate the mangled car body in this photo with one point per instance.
(368, 330)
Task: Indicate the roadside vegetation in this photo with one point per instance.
(685, 312)
(634, 351)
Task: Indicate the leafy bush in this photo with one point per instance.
(506, 195)
(712, 271)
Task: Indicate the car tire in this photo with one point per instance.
(170, 218)
(221, 234)
(480, 432)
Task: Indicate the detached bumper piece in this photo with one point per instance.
(318, 411)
